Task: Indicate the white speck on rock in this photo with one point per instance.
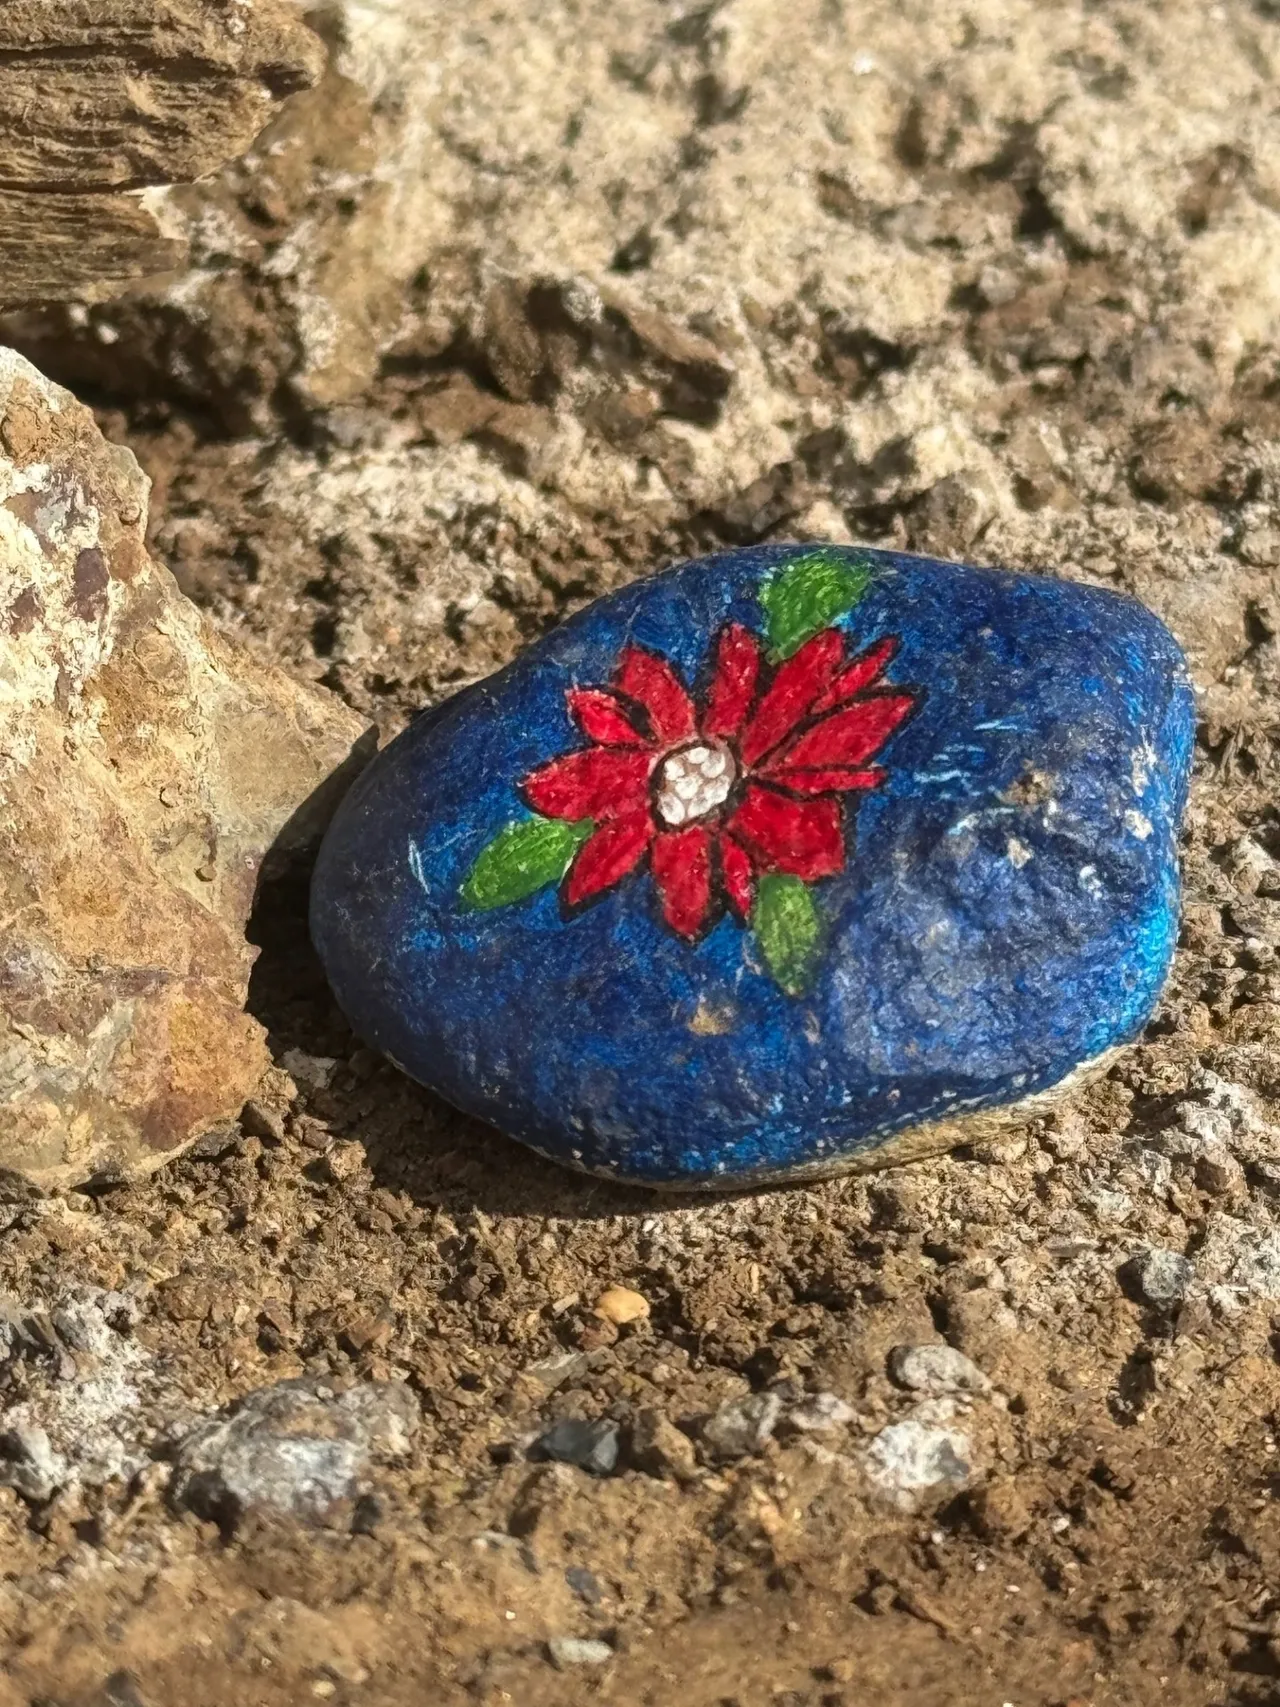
(1143, 762)
(1019, 853)
(1137, 823)
(313, 1070)
(820, 1413)
(1089, 881)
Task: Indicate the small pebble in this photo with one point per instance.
(313, 1070)
(584, 1584)
(619, 1305)
(259, 1120)
(935, 1370)
(343, 1162)
(740, 1427)
(661, 1449)
(553, 1372)
(1164, 1276)
(592, 1446)
(1218, 1173)
(908, 1458)
(566, 1651)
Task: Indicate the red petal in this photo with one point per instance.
(651, 680)
(850, 736)
(864, 669)
(734, 684)
(599, 782)
(739, 881)
(608, 856)
(682, 870)
(601, 718)
(791, 693)
(804, 838)
(831, 781)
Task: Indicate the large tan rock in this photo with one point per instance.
(146, 769)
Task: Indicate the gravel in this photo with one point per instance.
(914, 1457)
(740, 1427)
(1164, 1277)
(568, 1651)
(936, 1369)
(592, 1446)
(297, 1447)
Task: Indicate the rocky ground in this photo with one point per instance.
(521, 303)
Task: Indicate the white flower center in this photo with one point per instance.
(693, 781)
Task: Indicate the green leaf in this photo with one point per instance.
(808, 594)
(788, 930)
(521, 859)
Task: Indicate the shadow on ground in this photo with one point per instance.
(415, 1142)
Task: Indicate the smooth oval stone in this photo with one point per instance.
(784, 861)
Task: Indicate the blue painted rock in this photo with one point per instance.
(785, 861)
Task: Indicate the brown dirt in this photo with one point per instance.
(1001, 293)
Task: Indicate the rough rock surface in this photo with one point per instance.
(84, 1399)
(994, 280)
(298, 1447)
(935, 1370)
(146, 770)
(100, 99)
(740, 1426)
(918, 1456)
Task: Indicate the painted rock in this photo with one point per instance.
(784, 861)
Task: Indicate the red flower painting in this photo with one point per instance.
(719, 793)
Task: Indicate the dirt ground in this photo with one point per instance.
(516, 307)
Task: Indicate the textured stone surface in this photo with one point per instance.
(910, 1460)
(935, 1370)
(592, 1446)
(1164, 1277)
(298, 1448)
(83, 1398)
(146, 768)
(100, 98)
(740, 1427)
(907, 854)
